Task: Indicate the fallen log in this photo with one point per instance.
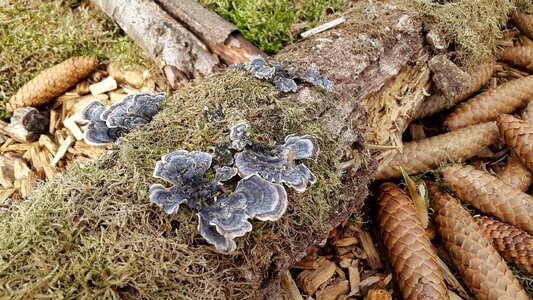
(222, 38)
(185, 40)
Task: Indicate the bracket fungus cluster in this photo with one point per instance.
(259, 192)
(108, 123)
(282, 78)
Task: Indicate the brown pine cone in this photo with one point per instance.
(490, 195)
(53, 82)
(527, 114)
(409, 250)
(519, 137)
(424, 155)
(482, 268)
(519, 56)
(524, 23)
(485, 107)
(513, 244)
(515, 174)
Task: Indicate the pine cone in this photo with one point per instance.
(437, 102)
(482, 268)
(485, 107)
(519, 137)
(53, 82)
(515, 174)
(513, 244)
(490, 195)
(424, 155)
(524, 23)
(519, 56)
(409, 250)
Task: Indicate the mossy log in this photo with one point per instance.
(94, 233)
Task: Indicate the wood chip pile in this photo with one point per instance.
(41, 143)
(347, 266)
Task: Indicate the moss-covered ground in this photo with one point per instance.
(272, 24)
(94, 233)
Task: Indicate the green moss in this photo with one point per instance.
(37, 34)
(93, 232)
(525, 279)
(267, 23)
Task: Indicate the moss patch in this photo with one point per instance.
(267, 23)
(36, 34)
(474, 25)
(93, 232)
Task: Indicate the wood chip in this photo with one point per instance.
(45, 163)
(116, 95)
(378, 294)
(366, 283)
(345, 263)
(46, 141)
(36, 161)
(62, 150)
(70, 124)
(346, 242)
(7, 142)
(24, 186)
(350, 255)
(310, 280)
(333, 291)
(77, 105)
(7, 177)
(18, 147)
(93, 152)
(340, 272)
(103, 86)
(306, 265)
(355, 280)
(21, 169)
(373, 257)
(289, 287)
(54, 121)
(6, 193)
